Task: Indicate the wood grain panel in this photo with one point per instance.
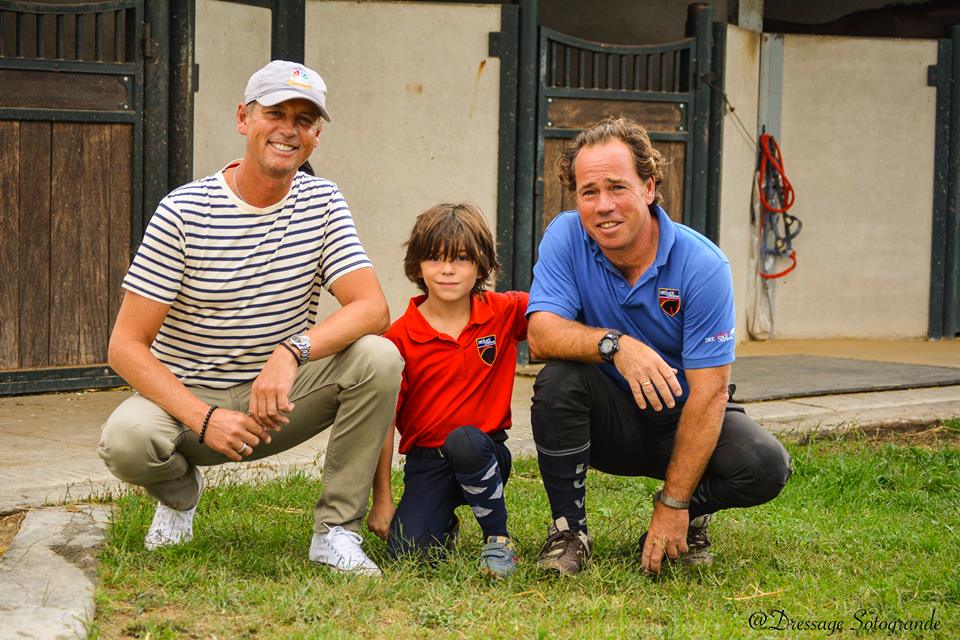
(9, 244)
(121, 182)
(34, 244)
(65, 189)
(580, 113)
(94, 243)
(27, 89)
(672, 187)
(556, 198)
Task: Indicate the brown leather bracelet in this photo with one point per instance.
(293, 352)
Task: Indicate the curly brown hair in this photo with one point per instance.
(649, 161)
(446, 230)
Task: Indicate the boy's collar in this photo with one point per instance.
(421, 331)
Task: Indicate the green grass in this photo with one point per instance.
(862, 525)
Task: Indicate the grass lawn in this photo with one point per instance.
(866, 533)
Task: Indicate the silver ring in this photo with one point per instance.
(243, 447)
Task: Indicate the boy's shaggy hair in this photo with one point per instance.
(443, 232)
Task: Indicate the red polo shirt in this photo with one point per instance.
(448, 383)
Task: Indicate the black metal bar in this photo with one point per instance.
(951, 256)
(21, 43)
(60, 36)
(78, 34)
(612, 94)
(596, 69)
(98, 36)
(647, 84)
(567, 67)
(527, 152)
(41, 36)
(554, 65)
(133, 26)
(678, 136)
(506, 172)
(611, 65)
(3, 31)
(590, 45)
(715, 150)
(182, 14)
(156, 101)
(623, 73)
(287, 30)
(698, 18)
(941, 77)
(118, 26)
(581, 68)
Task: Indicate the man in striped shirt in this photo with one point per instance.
(219, 335)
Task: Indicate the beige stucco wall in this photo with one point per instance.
(232, 42)
(414, 98)
(741, 79)
(857, 138)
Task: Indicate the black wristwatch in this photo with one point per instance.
(609, 345)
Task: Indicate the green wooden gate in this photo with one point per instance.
(71, 131)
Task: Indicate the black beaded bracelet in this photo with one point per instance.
(206, 423)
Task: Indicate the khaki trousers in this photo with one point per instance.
(353, 392)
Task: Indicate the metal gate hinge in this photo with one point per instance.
(933, 75)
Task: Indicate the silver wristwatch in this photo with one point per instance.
(301, 343)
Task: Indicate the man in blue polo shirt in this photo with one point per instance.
(635, 315)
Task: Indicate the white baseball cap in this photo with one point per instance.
(281, 80)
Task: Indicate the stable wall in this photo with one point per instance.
(857, 138)
(414, 99)
(741, 80)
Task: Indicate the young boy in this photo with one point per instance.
(459, 343)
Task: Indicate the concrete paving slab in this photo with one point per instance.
(49, 574)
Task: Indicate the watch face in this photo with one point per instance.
(606, 346)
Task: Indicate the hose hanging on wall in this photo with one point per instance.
(776, 230)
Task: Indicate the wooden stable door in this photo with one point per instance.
(65, 190)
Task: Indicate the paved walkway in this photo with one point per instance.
(48, 457)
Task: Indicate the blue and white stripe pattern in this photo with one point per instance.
(239, 279)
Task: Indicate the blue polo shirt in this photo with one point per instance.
(682, 305)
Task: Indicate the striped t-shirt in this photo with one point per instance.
(239, 279)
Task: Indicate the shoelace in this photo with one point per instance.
(345, 543)
(553, 541)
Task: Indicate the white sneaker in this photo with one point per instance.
(170, 526)
(340, 549)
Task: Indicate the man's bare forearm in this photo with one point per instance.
(552, 337)
(697, 432)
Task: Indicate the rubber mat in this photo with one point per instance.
(778, 377)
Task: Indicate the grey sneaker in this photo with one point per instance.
(698, 543)
(171, 526)
(565, 551)
(340, 550)
(498, 558)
